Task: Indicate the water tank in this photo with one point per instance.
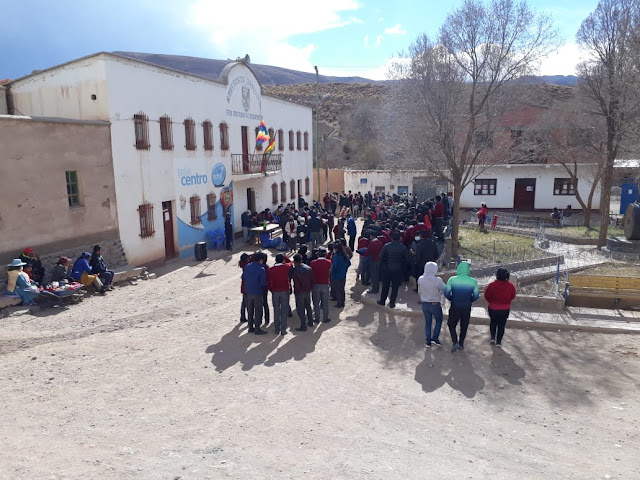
(632, 222)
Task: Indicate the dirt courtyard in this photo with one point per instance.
(159, 380)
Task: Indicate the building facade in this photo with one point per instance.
(183, 146)
(58, 187)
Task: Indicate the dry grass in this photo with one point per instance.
(491, 247)
(584, 232)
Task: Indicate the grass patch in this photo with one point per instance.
(492, 248)
(584, 232)
(617, 269)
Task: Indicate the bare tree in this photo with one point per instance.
(609, 80)
(454, 87)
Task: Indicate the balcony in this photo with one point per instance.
(250, 163)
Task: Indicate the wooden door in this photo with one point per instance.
(245, 150)
(524, 194)
(251, 199)
(167, 221)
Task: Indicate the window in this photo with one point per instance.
(211, 207)
(283, 191)
(207, 133)
(306, 186)
(272, 132)
(484, 186)
(141, 126)
(298, 140)
(73, 190)
(258, 147)
(280, 139)
(564, 186)
(292, 187)
(166, 134)
(194, 205)
(274, 193)
(224, 136)
(299, 187)
(145, 211)
(482, 139)
(290, 139)
(190, 134)
(306, 140)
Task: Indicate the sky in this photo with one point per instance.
(342, 37)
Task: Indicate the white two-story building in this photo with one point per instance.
(183, 146)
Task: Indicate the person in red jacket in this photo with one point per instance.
(499, 294)
(279, 284)
(373, 253)
(320, 294)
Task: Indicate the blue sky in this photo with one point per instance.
(342, 37)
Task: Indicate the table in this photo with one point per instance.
(270, 229)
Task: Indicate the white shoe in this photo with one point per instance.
(492, 341)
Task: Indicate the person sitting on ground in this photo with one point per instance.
(19, 283)
(99, 267)
(555, 216)
(61, 273)
(29, 257)
(82, 273)
(567, 211)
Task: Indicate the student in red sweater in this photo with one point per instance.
(499, 293)
(279, 284)
(320, 294)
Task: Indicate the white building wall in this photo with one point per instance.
(125, 87)
(545, 176)
(389, 179)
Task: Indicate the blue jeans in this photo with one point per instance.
(431, 311)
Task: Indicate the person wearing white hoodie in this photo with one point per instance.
(431, 288)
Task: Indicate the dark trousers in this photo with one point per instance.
(352, 242)
(498, 322)
(393, 279)
(303, 308)
(337, 285)
(374, 276)
(437, 228)
(243, 308)
(265, 306)
(280, 302)
(106, 277)
(461, 314)
(254, 310)
(228, 240)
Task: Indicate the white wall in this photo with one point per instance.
(380, 178)
(544, 195)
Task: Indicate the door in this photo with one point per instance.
(167, 221)
(380, 190)
(524, 194)
(245, 150)
(403, 190)
(251, 199)
(424, 188)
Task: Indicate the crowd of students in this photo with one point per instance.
(400, 238)
(26, 276)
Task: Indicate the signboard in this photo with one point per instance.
(363, 180)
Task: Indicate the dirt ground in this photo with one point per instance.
(159, 380)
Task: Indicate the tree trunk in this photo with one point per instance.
(455, 218)
(605, 201)
(587, 212)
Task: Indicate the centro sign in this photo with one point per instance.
(187, 178)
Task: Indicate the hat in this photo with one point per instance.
(28, 250)
(16, 262)
(96, 248)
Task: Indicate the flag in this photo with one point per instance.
(263, 134)
(267, 153)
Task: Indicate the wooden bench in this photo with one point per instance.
(603, 291)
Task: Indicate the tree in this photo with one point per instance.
(609, 80)
(454, 88)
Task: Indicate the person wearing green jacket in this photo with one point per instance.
(462, 290)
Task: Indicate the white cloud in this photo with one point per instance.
(366, 41)
(372, 73)
(378, 40)
(562, 62)
(395, 30)
(267, 38)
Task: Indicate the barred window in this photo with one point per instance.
(145, 212)
(292, 187)
(211, 207)
(298, 140)
(281, 140)
(141, 127)
(194, 205)
(306, 186)
(290, 139)
(207, 134)
(299, 187)
(485, 186)
(274, 193)
(283, 191)
(73, 188)
(306, 140)
(166, 133)
(224, 136)
(564, 186)
(190, 134)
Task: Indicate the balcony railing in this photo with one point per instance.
(244, 164)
